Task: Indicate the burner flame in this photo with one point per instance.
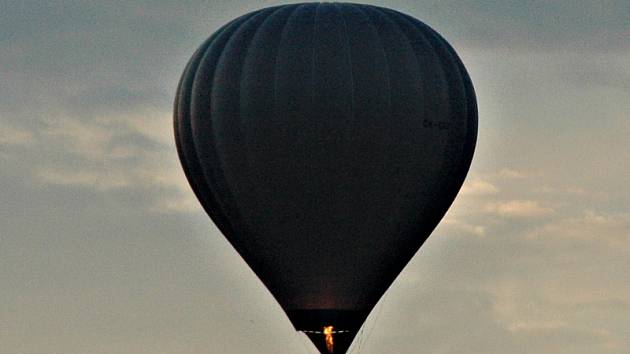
(328, 332)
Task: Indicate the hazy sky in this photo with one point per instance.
(104, 249)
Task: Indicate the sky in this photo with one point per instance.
(104, 249)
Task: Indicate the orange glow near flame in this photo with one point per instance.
(328, 332)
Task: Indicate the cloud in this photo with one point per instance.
(180, 203)
(553, 286)
(567, 191)
(478, 187)
(527, 326)
(83, 178)
(85, 139)
(99, 138)
(550, 316)
(544, 26)
(519, 209)
(116, 152)
(597, 229)
(11, 136)
(553, 281)
(510, 173)
(599, 71)
(463, 227)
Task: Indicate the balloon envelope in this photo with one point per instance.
(326, 141)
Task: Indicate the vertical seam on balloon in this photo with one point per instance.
(433, 43)
(221, 57)
(197, 56)
(219, 160)
(473, 110)
(390, 17)
(210, 48)
(313, 52)
(436, 42)
(211, 180)
(463, 79)
(349, 51)
(283, 34)
(176, 119)
(268, 16)
(232, 38)
(223, 221)
(239, 102)
(404, 35)
(445, 54)
(379, 35)
(470, 100)
(443, 75)
(453, 58)
(182, 88)
(190, 153)
(252, 40)
(434, 52)
(385, 56)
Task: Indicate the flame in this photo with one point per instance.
(328, 332)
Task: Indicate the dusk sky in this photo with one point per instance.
(104, 248)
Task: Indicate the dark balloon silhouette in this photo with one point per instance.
(326, 141)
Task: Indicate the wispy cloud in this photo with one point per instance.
(478, 187)
(92, 179)
(464, 227)
(11, 136)
(519, 209)
(132, 149)
(510, 173)
(598, 229)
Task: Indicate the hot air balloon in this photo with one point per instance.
(326, 141)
